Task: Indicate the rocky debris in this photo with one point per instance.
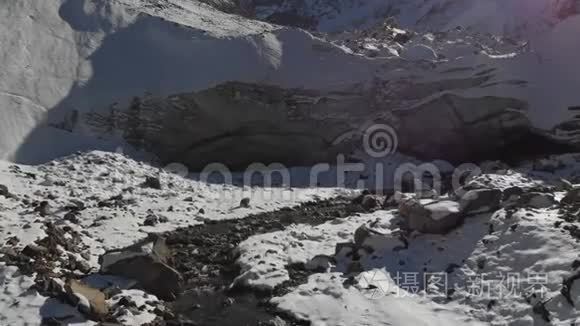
(88, 300)
(148, 263)
(206, 256)
(152, 182)
(429, 216)
(537, 200)
(44, 255)
(480, 201)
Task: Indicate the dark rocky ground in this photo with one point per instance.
(205, 255)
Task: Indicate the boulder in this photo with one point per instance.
(366, 237)
(320, 263)
(147, 263)
(429, 216)
(33, 250)
(5, 192)
(370, 202)
(537, 200)
(512, 193)
(245, 202)
(572, 197)
(152, 182)
(480, 201)
(88, 300)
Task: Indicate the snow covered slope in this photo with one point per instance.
(67, 55)
(64, 58)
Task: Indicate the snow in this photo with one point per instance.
(97, 176)
(20, 306)
(263, 258)
(524, 244)
(63, 55)
(59, 56)
(534, 245)
(442, 209)
(325, 301)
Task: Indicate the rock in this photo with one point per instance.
(55, 287)
(344, 249)
(572, 197)
(320, 263)
(71, 217)
(33, 250)
(9, 252)
(402, 37)
(83, 266)
(512, 193)
(368, 238)
(43, 208)
(537, 200)
(435, 217)
(369, 202)
(480, 201)
(245, 202)
(147, 263)
(228, 302)
(566, 185)
(152, 220)
(88, 300)
(5, 192)
(274, 322)
(152, 182)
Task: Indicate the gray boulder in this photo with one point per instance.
(572, 197)
(537, 200)
(147, 263)
(480, 201)
(88, 300)
(435, 217)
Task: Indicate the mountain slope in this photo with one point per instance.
(69, 60)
